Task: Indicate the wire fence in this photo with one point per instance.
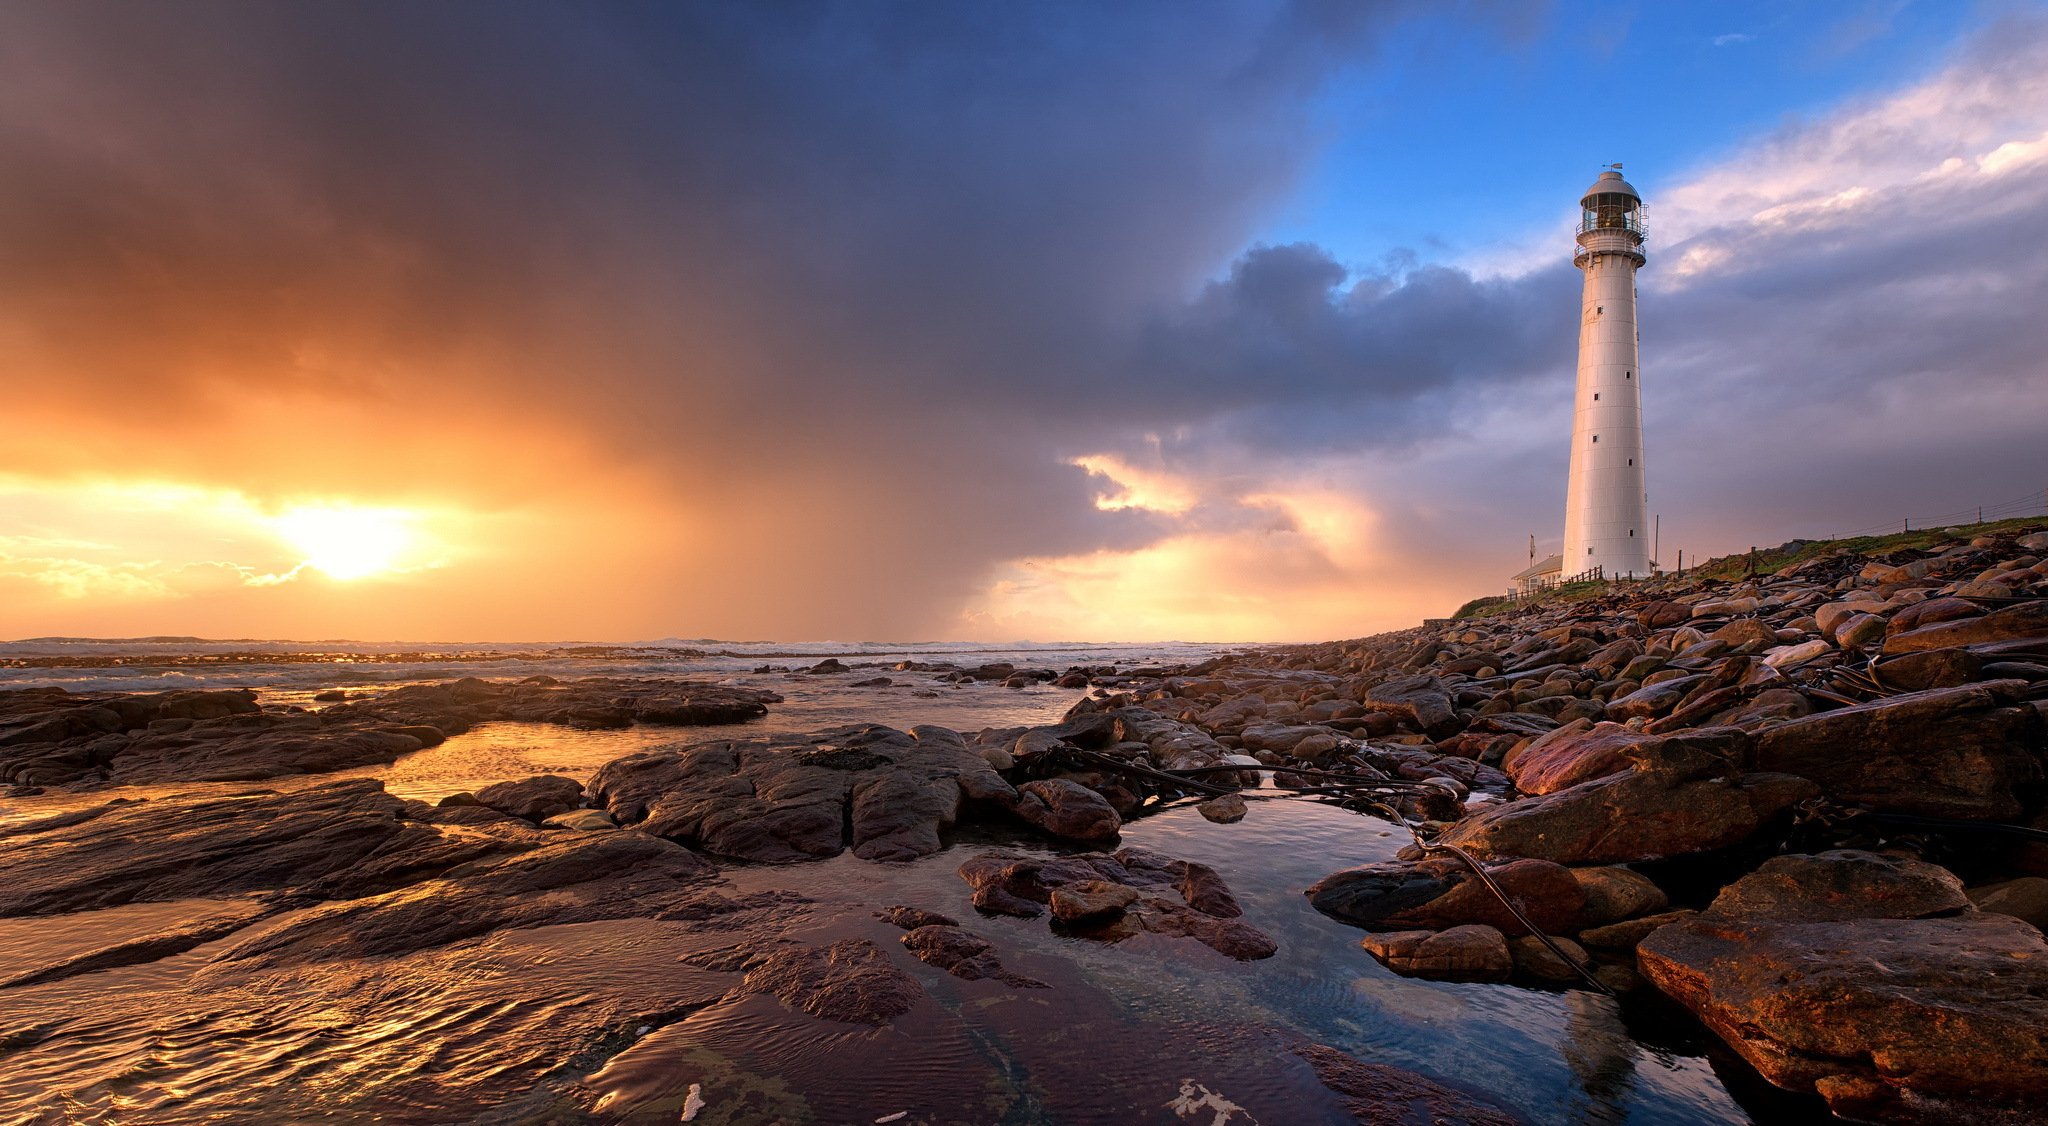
(2033, 504)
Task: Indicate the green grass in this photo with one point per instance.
(1769, 561)
(1497, 605)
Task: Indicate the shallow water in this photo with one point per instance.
(494, 752)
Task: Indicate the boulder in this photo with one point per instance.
(535, 799)
(1441, 892)
(1653, 700)
(1932, 611)
(1746, 635)
(1463, 953)
(1224, 810)
(2024, 620)
(1894, 1020)
(582, 820)
(1066, 809)
(1091, 899)
(1930, 668)
(1578, 751)
(1683, 796)
(1421, 701)
(1949, 752)
(1841, 884)
(1614, 894)
(1535, 959)
(1625, 934)
(911, 918)
(2025, 899)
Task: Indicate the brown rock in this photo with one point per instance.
(1746, 635)
(1658, 615)
(1378, 1095)
(1224, 810)
(1091, 899)
(1933, 611)
(1614, 894)
(1422, 701)
(1913, 1020)
(1841, 884)
(911, 918)
(2024, 620)
(2025, 898)
(534, 799)
(1068, 810)
(1533, 959)
(1570, 755)
(963, 954)
(1684, 795)
(851, 980)
(1950, 752)
(1930, 668)
(1463, 953)
(1625, 934)
(1441, 892)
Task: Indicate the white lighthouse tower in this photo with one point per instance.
(1605, 516)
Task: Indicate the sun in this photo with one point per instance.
(346, 542)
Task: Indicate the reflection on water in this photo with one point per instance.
(497, 752)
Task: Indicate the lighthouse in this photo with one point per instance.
(1605, 517)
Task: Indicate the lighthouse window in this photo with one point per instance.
(1596, 396)
(1628, 375)
(1631, 461)
(1598, 309)
(1596, 437)
(1631, 533)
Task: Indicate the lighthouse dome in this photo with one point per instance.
(1611, 183)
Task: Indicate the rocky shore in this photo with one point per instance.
(1804, 806)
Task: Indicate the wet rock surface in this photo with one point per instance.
(52, 737)
(336, 840)
(1920, 1020)
(963, 954)
(1375, 1093)
(851, 981)
(1111, 897)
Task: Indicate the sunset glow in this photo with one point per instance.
(347, 543)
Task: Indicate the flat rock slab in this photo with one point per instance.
(585, 877)
(52, 737)
(963, 954)
(1891, 1020)
(1380, 1095)
(341, 839)
(851, 980)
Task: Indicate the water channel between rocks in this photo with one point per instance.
(1124, 1031)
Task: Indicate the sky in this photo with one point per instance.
(1219, 321)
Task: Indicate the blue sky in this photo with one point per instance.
(1505, 122)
